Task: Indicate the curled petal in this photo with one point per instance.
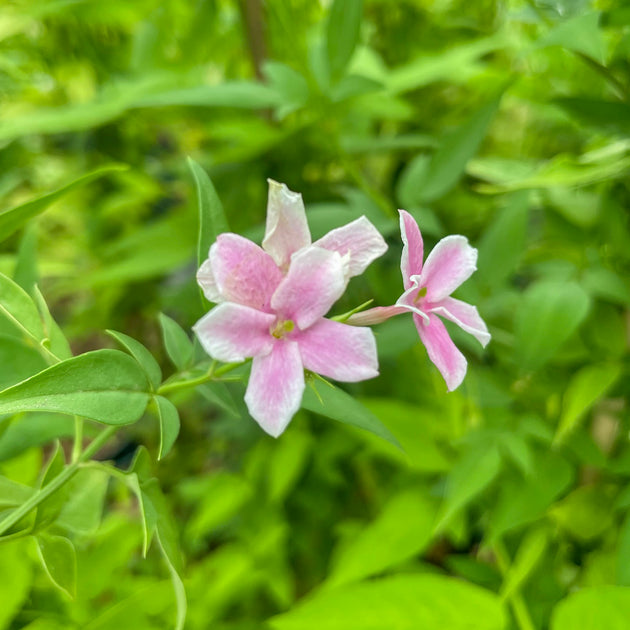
(413, 248)
(359, 240)
(451, 262)
(275, 388)
(232, 332)
(375, 315)
(442, 351)
(465, 316)
(408, 300)
(315, 281)
(243, 272)
(206, 281)
(286, 229)
(339, 351)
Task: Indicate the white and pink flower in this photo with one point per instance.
(271, 303)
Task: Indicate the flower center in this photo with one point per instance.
(282, 328)
(421, 293)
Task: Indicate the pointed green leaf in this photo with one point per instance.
(49, 509)
(105, 385)
(59, 558)
(593, 608)
(142, 355)
(169, 424)
(54, 338)
(14, 219)
(177, 343)
(17, 306)
(529, 554)
(83, 509)
(212, 221)
(13, 493)
(334, 403)
(342, 33)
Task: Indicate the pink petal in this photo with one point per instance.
(243, 272)
(232, 332)
(275, 388)
(206, 281)
(315, 281)
(442, 351)
(375, 315)
(360, 240)
(465, 316)
(451, 262)
(286, 230)
(413, 248)
(408, 301)
(339, 351)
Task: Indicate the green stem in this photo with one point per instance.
(66, 474)
(78, 438)
(212, 374)
(519, 607)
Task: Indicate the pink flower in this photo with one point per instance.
(272, 302)
(427, 295)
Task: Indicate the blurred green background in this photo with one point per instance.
(507, 121)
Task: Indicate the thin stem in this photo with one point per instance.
(66, 474)
(78, 438)
(519, 607)
(212, 374)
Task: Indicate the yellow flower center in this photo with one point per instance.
(282, 328)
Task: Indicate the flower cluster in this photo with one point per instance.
(271, 302)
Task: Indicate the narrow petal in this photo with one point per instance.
(286, 230)
(359, 240)
(232, 332)
(315, 281)
(243, 272)
(206, 281)
(339, 351)
(413, 248)
(375, 315)
(451, 262)
(408, 300)
(275, 388)
(442, 351)
(465, 316)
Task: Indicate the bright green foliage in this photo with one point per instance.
(503, 505)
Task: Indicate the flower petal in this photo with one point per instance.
(232, 332)
(275, 388)
(315, 281)
(465, 316)
(408, 300)
(360, 240)
(413, 248)
(451, 262)
(442, 351)
(206, 281)
(286, 229)
(243, 272)
(339, 351)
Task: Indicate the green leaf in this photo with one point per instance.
(49, 509)
(528, 556)
(142, 355)
(13, 493)
(83, 509)
(334, 403)
(24, 359)
(33, 429)
(404, 602)
(212, 220)
(549, 313)
(580, 33)
(342, 34)
(448, 163)
(18, 308)
(288, 460)
(169, 424)
(15, 577)
(105, 385)
(59, 559)
(586, 387)
(402, 530)
(586, 513)
(177, 343)
(593, 608)
(503, 242)
(54, 339)
(610, 116)
(13, 219)
(623, 553)
(25, 273)
(468, 477)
